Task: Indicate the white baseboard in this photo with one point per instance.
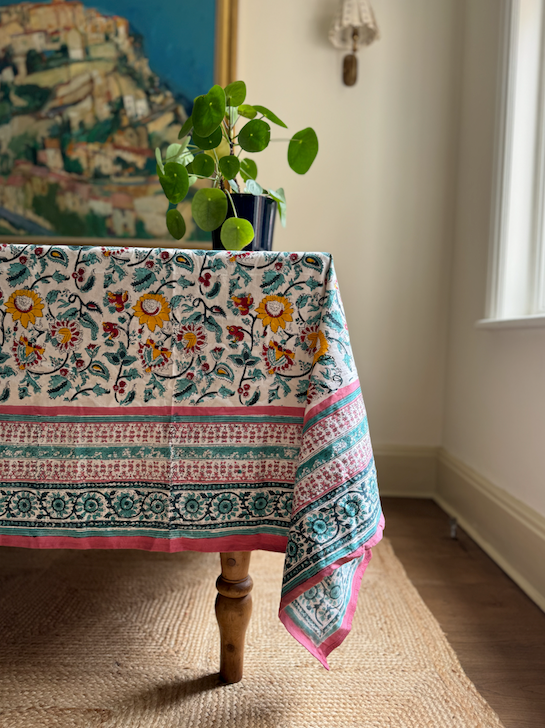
(510, 532)
(409, 472)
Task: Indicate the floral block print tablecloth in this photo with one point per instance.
(175, 399)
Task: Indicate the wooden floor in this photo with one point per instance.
(497, 632)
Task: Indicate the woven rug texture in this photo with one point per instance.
(128, 639)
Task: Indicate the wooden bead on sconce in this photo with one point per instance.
(350, 69)
(350, 62)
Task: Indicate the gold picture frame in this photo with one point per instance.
(226, 41)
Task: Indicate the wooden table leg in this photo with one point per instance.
(233, 611)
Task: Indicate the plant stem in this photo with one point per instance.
(231, 201)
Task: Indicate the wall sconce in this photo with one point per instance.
(354, 26)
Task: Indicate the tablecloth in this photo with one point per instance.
(169, 399)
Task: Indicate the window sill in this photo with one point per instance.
(521, 322)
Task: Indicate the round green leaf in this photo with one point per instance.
(236, 233)
(209, 142)
(229, 166)
(235, 93)
(248, 169)
(302, 150)
(202, 165)
(209, 208)
(176, 151)
(175, 182)
(254, 136)
(175, 224)
(208, 111)
(280, 198)
(247, 111)
(179, 153)
(186, 128)
(268, 114)
(173, 151)
(253, 187)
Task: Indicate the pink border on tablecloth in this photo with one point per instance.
(322, 651)
(148, 411)
(315, 409)
(264, 542)
(183, 411)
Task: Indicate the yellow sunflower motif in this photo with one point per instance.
(25, 306)
(152, 309)
(274, 311)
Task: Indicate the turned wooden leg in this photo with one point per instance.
(233, 611)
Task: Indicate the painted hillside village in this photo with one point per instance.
(81, 113)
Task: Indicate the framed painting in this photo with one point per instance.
(88, 90)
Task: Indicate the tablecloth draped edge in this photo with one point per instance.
(320, 652)
(252, 542)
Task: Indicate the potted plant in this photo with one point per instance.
(236, 208)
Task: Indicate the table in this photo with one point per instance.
(166, 399)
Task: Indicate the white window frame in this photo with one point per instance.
(516, 276)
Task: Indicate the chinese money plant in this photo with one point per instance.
(215, 140)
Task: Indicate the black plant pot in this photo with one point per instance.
(260, 211)
(269, 208)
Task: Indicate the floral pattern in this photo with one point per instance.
(243, 303)
(191, 338)
(117, 301)
(65, 335)
(58, 504)
(275, 311)
(25, 306)
(277, 359)
(24, 504)
(314, 341)
(153, 356)
(156, 506)
(152, 309)
(101, 323)
(91, 506)
(26, 353)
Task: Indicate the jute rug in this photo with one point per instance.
(127, 639)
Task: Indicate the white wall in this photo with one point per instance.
(400, 194)
(380, 194)
(495, 394)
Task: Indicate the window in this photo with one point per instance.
(516, 285)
